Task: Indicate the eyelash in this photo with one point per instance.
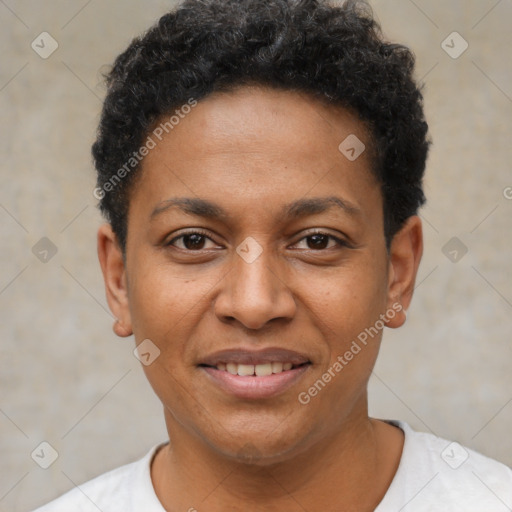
(339, 241)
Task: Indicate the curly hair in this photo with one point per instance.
(335, 53)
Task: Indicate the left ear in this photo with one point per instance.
(404, 259)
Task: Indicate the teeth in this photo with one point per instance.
(260, 370)
(277, 367)
(245, 369)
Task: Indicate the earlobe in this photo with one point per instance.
(121, 330)
(114, 275)
(404, 258)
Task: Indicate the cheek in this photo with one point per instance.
(346, 316)
(162, 304)
(348, 299)
(348, 308)
(166, 309)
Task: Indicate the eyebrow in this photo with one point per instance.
(297, 209)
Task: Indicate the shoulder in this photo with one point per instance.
(435, 472)
(119, 489)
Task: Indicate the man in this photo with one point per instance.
(260, 167)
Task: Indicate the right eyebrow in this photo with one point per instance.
(192, 206)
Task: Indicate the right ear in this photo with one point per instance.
(114, 276)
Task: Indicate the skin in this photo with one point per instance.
(252, 151)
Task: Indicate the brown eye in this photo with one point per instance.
(192, 241)
(320, 241)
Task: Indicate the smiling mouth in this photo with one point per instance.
(248, 374)
(255, 370)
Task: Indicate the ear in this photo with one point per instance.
(114, 274)
(404, 259)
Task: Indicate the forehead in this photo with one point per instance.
(264, 120)
(260, 144)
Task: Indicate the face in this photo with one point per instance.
(255, 259)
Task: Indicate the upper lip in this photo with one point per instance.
(262, 356)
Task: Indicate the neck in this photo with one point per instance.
(353, 466)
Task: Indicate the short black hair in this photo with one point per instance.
(333, 52)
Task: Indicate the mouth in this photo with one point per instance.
(260, 374)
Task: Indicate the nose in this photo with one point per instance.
(254, 293)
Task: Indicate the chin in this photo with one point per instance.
(263, 447)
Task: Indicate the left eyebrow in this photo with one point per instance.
(297, 209)
(305, 207)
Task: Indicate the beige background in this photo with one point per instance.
(65, 377)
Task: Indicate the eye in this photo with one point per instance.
(191, 241)
(195, 241)
(320, 241)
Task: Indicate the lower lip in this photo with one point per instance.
(252, 387)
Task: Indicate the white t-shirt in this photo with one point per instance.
(434, 475)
